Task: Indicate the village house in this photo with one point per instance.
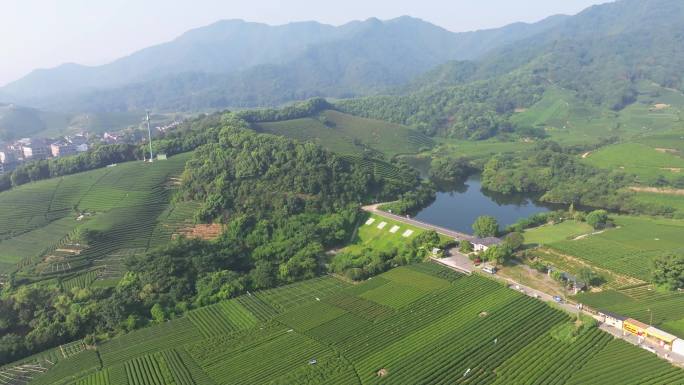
(34, 149)
(62, 148)
(482, 244)
(612, 319)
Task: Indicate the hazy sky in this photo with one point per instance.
(46, 33)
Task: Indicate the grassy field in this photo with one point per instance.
(350, 135)
(639, 159)
(547, 234)
(128, 204)
(676, 202)
(411, 325)
(369, 235)
(628, 248)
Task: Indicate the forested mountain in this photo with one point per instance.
(602, 55)
(235, 64)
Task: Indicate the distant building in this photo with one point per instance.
(111, 137)
(79, 142)
(678, 346)
(35, 149)
(661, 338)
(635, 327)
(612, 319)
(482, 244)
(62, 148)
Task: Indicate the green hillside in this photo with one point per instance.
(351, 135)
(418, 324)
(122, 205)
(566, 118)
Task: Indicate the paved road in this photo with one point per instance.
(461, 263)
(440, 230)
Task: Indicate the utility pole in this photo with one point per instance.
(149, 134)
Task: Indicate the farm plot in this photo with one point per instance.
(645, 162)
(348, 134)
(122, 202)
(222, 318)
(644, 303)
(66, 370)
(81, 280)
(296, 294)
(629, 248)
(309, 316)
(138, 343)
(462, 330)
(395, 295)
(148, 370)
(547, 234)
(621, 363)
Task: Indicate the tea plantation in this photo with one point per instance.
(412, 325)
(128, 205)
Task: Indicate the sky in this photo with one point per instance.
(46, 33)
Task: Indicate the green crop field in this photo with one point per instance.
(645, 303)
(128, 204)
(675, 202)
(569, 120)
(646, 162)
(460, 329)
(348, 134)
(546, 234)
(628, 248)
(478, 149)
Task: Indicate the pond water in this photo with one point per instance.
(458, 209)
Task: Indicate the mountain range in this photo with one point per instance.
(600, 54)
(234, 63)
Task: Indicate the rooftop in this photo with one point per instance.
(489, 241)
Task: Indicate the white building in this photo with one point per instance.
(612, 319)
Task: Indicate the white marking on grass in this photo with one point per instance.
(394, 229)
(370, 221)
(382, 225)
(407, 233)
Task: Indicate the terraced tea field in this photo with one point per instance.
(460, 329)
(348, 134)
(128, 205)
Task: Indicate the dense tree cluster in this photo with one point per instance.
(668, 271)
(98, 157)
(449, 171)
(367, 262)
(478, 110)
(412, 201)
(295, 111)
(486, 226)
(558, 175)
(254, 173)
